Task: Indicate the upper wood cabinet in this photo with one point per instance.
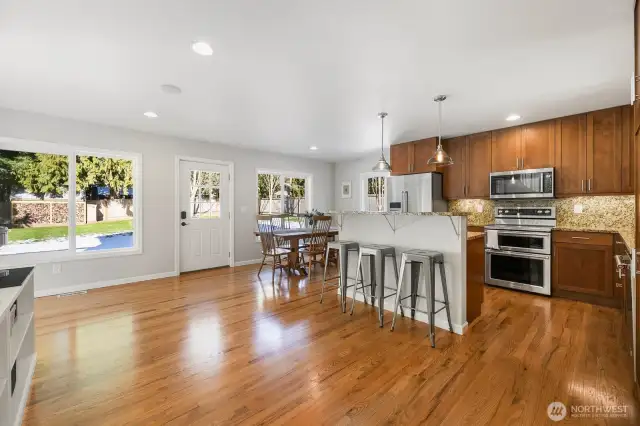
(571, 154)
(412, 157)
(604, 151)
(454, 176)
(592, 153)
(478, 160)
(422, 151)
(636, 103)
(628, 151)
(468, 177)
(537, 149)
(531, 146)
(589, 153)
(401, 158)
(505, 149)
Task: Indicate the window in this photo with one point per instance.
(374, 192)
(50, 215)
(283, 192)
(204, 195)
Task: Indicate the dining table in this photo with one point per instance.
(293, 236)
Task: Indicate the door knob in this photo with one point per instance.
(184, 224)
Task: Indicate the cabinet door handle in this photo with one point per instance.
(580, 238)
(582, 184)
(517, 163)
(589, 185)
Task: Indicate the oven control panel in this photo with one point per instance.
(526, 212)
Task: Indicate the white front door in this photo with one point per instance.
(204, 216)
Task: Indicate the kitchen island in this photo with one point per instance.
(443, 232)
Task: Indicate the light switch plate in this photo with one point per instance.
(57, 268)
(577, 208)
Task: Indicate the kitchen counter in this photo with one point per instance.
(360, 212)
(474, 235)
(442, 232)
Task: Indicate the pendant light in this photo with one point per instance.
(440, 157)
(382, 165)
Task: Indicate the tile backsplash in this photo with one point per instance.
(614, 212)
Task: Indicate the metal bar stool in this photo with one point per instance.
(377, 255)
(343, 247)
(422, 258)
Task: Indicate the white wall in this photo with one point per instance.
(158, 163)
(350, 171)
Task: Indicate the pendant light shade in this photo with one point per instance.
(440, 157)
(382, 165)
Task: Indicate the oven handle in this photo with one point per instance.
(525, 234)
(519, 254)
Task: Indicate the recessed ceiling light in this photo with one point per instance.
(313, 148)
(151, 114)
(202, 48)
(513, 117)
(171, 89)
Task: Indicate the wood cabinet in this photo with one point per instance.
(455, 176)
(411, 157)
(422, 151)
(589, 153)
(604, 151)
(583, 267)
(592, 153)
(505, 149)
(468, 177)
(478, 167)
(628, 151)
(537, 149)
(571, 154)
(531, 146)
(401, 159)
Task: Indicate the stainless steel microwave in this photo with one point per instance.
(532, 183)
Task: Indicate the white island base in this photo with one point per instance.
(442, 232)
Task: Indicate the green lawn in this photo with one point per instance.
(47, 232)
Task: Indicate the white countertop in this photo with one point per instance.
(10, 294)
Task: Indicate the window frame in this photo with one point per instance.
(364, 189)
(70, 254)
(308, 177)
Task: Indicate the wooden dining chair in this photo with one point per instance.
(280, 222)
(269, 245)
(317, 244)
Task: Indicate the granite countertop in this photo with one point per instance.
(474, 235)
(360, 212)
(628, 235)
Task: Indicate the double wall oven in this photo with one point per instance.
(518, 249)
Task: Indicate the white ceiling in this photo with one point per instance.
(288, 74)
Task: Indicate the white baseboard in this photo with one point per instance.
(247, 262)
(440, 322)
(101, 284)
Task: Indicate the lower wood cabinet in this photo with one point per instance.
(583, 267)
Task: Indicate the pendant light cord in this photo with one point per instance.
(382, 137)
(440, 124)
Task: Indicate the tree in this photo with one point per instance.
(43, 174)
(117, 174)
(268, 188)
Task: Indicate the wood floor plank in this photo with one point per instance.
(228, 347)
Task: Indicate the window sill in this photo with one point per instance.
(33, 259)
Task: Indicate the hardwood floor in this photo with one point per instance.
(222, 347)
